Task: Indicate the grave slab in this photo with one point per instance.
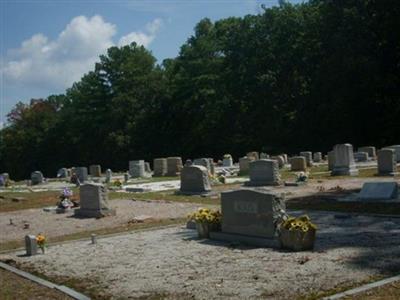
(372, 191)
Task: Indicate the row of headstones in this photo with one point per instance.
(81, 173)
(341, 160)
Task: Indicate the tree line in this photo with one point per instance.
(292, 78)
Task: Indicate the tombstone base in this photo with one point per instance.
(192, 193)
(244, 239)
(388, 174)
(343, 171)
(296, 183)
(261, 183)
(88, 213)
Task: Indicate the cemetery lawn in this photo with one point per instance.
(16, 287)
(11, 201)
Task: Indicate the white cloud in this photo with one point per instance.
(54, 65)
(142, 38)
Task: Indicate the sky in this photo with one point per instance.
(47, 45)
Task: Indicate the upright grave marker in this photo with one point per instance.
(387, 162)
(94, 201)
(195, 180)
(344, 161)
(160, 166)
(250, 216)
(264, 172)
(298, 163)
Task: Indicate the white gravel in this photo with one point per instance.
(172, 261)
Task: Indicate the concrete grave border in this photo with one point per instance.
(362, 288)
(62, 288)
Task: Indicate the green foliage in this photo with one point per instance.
(294, 77)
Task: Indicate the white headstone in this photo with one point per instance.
(344, 161)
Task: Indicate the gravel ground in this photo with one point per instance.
(52, 224)
(173, 262)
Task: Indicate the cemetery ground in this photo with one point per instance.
(175, 264)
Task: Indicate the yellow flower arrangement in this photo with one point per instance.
(302, 223)
(205, 215)
(117, 183)
(41, 240)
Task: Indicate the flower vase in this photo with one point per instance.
(203, 230)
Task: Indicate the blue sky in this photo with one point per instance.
(46, 45)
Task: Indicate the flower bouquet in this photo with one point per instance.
(297, 234)
(206, 220)
(41, 241)
(302, 177)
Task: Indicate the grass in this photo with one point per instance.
(11, 201)
(17, 287)
(344, 287)
(128, 227)
(389, 291)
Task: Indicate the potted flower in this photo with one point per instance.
(41, 241)
(206, 220)
(297, 234)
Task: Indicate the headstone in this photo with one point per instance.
(285, 157)
(136, 168)
(331, 160)
(253, 155)
(264, 155)
(212, 166)
(344, 161)
(95, 170)
(317, 157)
(396, 148)
(62, 173)
(387, 162)
(227, 161)
(37, 177)
(263, 172)
(308, 157)
(280, 160)
(82, 174)
(147, 168)
(174, 166)
(298, 163)
(160, 166)
(372, 191)
(371, 150)
(251, 213)
(126, 177)
(6, 176)
(361, 156)
(195, 180)
(244, 165)
(188, 163)
(108, 176)
(205, 162)
(93, 201)
(31, 245)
